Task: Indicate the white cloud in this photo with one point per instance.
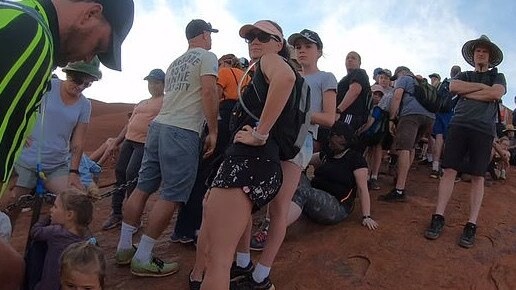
(425, 36)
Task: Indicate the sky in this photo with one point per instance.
(426, 36)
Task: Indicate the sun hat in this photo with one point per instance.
(120, 15)
(495, 53)
(308, 35)
(377, 88)
(197, 27)
(91, 68)
(263, 25)
(156, 74)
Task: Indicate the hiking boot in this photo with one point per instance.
(436, 227)
(393, 196)
(435, 174)
(258, 241)
(154, 268)
(113, 221)
(467, 240)
(249, 283)
(238, 273)
(373, 184)
(124, 257)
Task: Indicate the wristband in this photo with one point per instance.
(259, 136)
(366, 217)
(74, 171)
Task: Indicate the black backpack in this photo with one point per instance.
(291, 127)
(435, 100)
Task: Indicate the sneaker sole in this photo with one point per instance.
(464, 245)
(432, 236)
(157, 275)
(256, 249)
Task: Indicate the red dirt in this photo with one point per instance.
(396, 256)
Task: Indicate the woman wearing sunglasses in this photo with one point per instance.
(59, 131)
(251, 175)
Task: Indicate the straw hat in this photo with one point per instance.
(495, 53)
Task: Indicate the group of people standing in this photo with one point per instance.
(196, 142)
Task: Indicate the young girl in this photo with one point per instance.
(83, 266)
(68, 223)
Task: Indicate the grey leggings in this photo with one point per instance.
(319, 205)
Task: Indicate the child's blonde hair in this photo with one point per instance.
(81, 205)
(84, 257)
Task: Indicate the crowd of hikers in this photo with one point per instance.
(221, 138)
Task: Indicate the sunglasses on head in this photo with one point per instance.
(263, 37)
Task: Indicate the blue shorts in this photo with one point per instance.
(170, 159)
(441, 124)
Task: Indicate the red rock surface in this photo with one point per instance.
(344, 256)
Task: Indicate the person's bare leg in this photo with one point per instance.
(57, 184)
(279, 208)
(376, 160)
(201, 251)
(294, 212)
(159, 217)
(438, 147)
(12, 267)
(403, 168)
(245, 241)
(477, 194)
(446, 185)
(134, 206)
(227, 215)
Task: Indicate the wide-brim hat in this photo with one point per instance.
(89, 68)
(495, 53)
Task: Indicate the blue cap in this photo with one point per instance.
(377, 71)
(156, 74)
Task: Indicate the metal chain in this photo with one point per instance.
(27, 200)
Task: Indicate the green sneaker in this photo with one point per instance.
(156, 268)
(124, 257)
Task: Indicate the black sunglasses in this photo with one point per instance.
(79, 80)
(263, 37)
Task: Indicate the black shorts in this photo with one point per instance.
(467, 150)
(259, 178)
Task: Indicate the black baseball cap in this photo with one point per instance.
(308, 35)
(198, 26)
(398, 70)
(120, 15)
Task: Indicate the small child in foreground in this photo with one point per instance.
(83, 266)
(68, 223)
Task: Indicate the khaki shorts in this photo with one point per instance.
(409, 129)
(27, 177)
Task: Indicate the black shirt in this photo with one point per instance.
(335, 175)
(358, 107)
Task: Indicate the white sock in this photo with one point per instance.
(374, 176)
(260, 273)
(144, 252)
(435, 165)
(126, 237)
(243, 259)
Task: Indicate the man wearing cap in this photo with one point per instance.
(172, 149)
(435, 79)
(60, 130)
(132, 137)
(408, 121)
(471, 133)
(39, 35)
(352, 92)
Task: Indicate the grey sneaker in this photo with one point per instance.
(373, 184)
(113, 221)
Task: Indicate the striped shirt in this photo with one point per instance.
(29, 38)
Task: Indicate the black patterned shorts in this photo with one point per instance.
(259, 178)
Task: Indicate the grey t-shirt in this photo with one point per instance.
(385, 101)
(478, 115)
(409, 104)
(319, 82)
(53, 140)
